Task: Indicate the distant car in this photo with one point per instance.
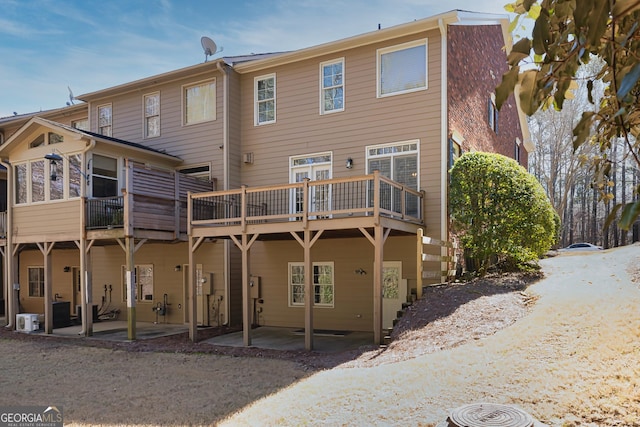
(581, 247)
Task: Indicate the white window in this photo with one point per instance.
(142, 281)
(152, 115)
(104, 176)
(82, 124)
(265, 99)
(402, 68)
(200, 102)
(332, 86)
(316, 167)
(105, 122)
(492, 116)
(323, 288)
(399, 162)
(43, 180)
(36, 281)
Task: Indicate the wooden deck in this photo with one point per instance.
(339, 207)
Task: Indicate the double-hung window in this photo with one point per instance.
(105, 121)
(199, 102)
(323, 288)
(152, 115)
(332, 86)
(265, 99)
(36, 281)
(402, 68)
(399, 162)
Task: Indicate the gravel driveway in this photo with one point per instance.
(573, 361)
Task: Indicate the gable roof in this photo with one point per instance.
(40, 121)
(454, 17)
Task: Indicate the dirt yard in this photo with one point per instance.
(565, 349)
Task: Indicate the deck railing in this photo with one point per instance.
(367, 195)
(105, 212)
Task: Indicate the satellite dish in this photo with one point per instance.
(210, 47)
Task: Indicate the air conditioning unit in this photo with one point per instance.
(27, 322)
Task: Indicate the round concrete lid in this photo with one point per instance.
(489, 415)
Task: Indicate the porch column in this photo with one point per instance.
(308, 292)
(12, 282)
(246, 293)
(86, 287)
(46, 248)
(193, 315)
(377, 283)
(131, 288)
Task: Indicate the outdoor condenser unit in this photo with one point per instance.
(27, 322)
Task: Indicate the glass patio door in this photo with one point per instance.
(316, 168)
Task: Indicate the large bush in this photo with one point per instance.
(500, 211)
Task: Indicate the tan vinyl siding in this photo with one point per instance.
(353, 293)
(194, 143)
(49, 221)
(367, 120)
(61, 280)
(108, 262)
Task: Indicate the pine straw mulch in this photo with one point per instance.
(447, 316)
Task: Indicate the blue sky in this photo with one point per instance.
(47, 45)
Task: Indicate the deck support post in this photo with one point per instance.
(380, 235)
(308, 292)
(244, 244)
(131, 288)
(377, 283)
(46, 248)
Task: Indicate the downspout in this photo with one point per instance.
(8, 251)
(225, 186)
(444, 127)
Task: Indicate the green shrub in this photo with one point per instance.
(500, 211)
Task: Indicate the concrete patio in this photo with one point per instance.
(276, 338)
(273, 338)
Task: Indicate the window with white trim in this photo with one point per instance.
(516, 154)
(265, 99)
(42, 180)
(142, 282)
(36, 281)
(105, 120)
(316, 167)
(82, 124)
(323, 285)
(402, 68)
(199, 102)
(492, 113)
(152, 115)
(399, 162)
(332, 86)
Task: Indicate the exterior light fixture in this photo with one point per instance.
(349, 163)
(53, 160)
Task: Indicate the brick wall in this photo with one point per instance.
(476, 62)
